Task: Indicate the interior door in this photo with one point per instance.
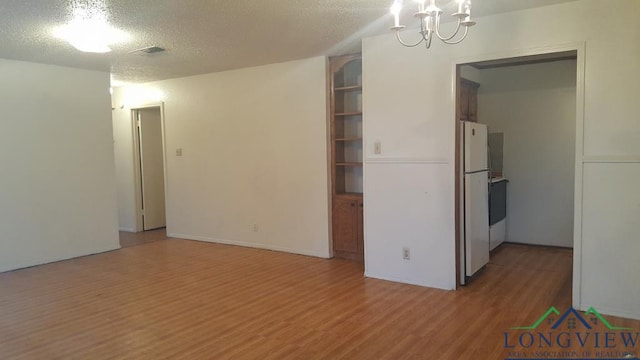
(151, 168)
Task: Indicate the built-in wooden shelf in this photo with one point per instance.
(352, 113)
(348, 88)
(347, 164)
(347, 202)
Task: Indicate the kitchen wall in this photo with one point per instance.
(57, 189)
(254, 145)
(534, 106)
(409, 106)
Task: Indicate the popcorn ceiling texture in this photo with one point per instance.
(203, 36)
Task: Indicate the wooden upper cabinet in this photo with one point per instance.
(468, 100)
(463, 103)
(360, 228)
(473, 104)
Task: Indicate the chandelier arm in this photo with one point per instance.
(405, 44)
(466, 30)
(445, 39)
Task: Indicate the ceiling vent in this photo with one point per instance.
(148, 50)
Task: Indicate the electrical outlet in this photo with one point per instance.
(377, 148)
(179, 152)
(406, 253)
(255, 227)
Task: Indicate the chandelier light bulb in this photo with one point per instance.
(396, 8)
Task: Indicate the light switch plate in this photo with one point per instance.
(377, 148)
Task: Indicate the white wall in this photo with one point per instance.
(254, 152)
(470, 73)
(409, 106)
(534, 106)
(124, 164)
(57, 189)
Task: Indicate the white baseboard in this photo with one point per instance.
(319, 254)
(127, 230)
(29, 264)
(605, 310)
(105, 249)
(409, 282)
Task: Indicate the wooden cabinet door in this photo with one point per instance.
(345, 227)
(463, 102)
(360, 219)
(473, 104)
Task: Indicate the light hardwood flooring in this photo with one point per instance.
(128, 239)
(179, 299)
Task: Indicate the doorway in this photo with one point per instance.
(530, 106)
(149, 163)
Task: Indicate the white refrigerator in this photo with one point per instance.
(475, 199)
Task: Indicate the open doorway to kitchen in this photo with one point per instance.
(525, 109)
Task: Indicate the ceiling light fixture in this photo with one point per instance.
(89, 31)
(90, 35)
(429, 17)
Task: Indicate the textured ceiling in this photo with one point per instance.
(203, 36)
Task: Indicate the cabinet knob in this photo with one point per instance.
(353, 204)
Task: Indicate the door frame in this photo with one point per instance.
(137, 175)
(580, 49)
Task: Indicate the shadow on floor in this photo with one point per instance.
(128, 239)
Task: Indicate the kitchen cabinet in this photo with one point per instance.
(348, 232)
(468, 100)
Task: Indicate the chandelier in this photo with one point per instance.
(429, 17)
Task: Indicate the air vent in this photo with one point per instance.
(148, 50)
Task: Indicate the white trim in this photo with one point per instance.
(405, 160)
(609, 311)
(285, 249)
(441, 286)
(580, 48)
(574, 46)
(137, 191)
(366, 161)
(576, 291)
(131, 230)
(611, 159)
(329, 151)
(99, 250)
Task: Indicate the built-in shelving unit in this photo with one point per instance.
(346, 156)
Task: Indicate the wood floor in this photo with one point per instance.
(128, 239)
(178, 299)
